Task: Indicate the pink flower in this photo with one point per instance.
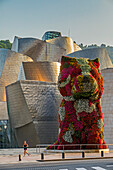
(68, 89)
(78, 125)
(69, 107)
(65, 72)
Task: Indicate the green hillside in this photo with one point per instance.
(5, 44)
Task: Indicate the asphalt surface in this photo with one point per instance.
(9, 159)
(106, 164)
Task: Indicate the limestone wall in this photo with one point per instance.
(107, 104)
(3, 111)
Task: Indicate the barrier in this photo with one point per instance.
(20, 158)
(42, 156)
(80, 147)
(83, 154)
(63, 155)
(102, 153)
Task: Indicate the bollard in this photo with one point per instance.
(102, 153)
(83, 154)
(20, 158)
(42, 156)
(63, 155)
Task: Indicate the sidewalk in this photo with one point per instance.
(9, 156)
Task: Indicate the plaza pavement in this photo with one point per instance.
(10, 156)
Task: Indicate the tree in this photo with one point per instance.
(5, 44)
(103, 45)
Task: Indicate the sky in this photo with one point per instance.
(85, 21)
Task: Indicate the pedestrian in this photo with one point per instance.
(25, 146)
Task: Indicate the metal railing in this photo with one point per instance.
(75, 147)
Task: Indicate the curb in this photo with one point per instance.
(74, 159)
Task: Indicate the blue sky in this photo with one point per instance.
(86, 21)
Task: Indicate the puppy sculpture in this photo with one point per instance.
(80, 115)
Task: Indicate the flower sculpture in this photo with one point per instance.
(80, 116)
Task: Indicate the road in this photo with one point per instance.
(104, 164)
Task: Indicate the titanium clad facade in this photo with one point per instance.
(37, 49)
(33, 111)
(10, 70)
(3, 56)
(101, 53)
(66, 43)
(49, 50)
(39, 71)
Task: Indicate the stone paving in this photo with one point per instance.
(9, 156)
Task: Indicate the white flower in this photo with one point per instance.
(71, 129)
(67, 137)
(69, 98)
(63, 84)
(100, 124)
(83, 105)
(62, 113)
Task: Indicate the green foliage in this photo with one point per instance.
(5, 44)
(82, 46)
